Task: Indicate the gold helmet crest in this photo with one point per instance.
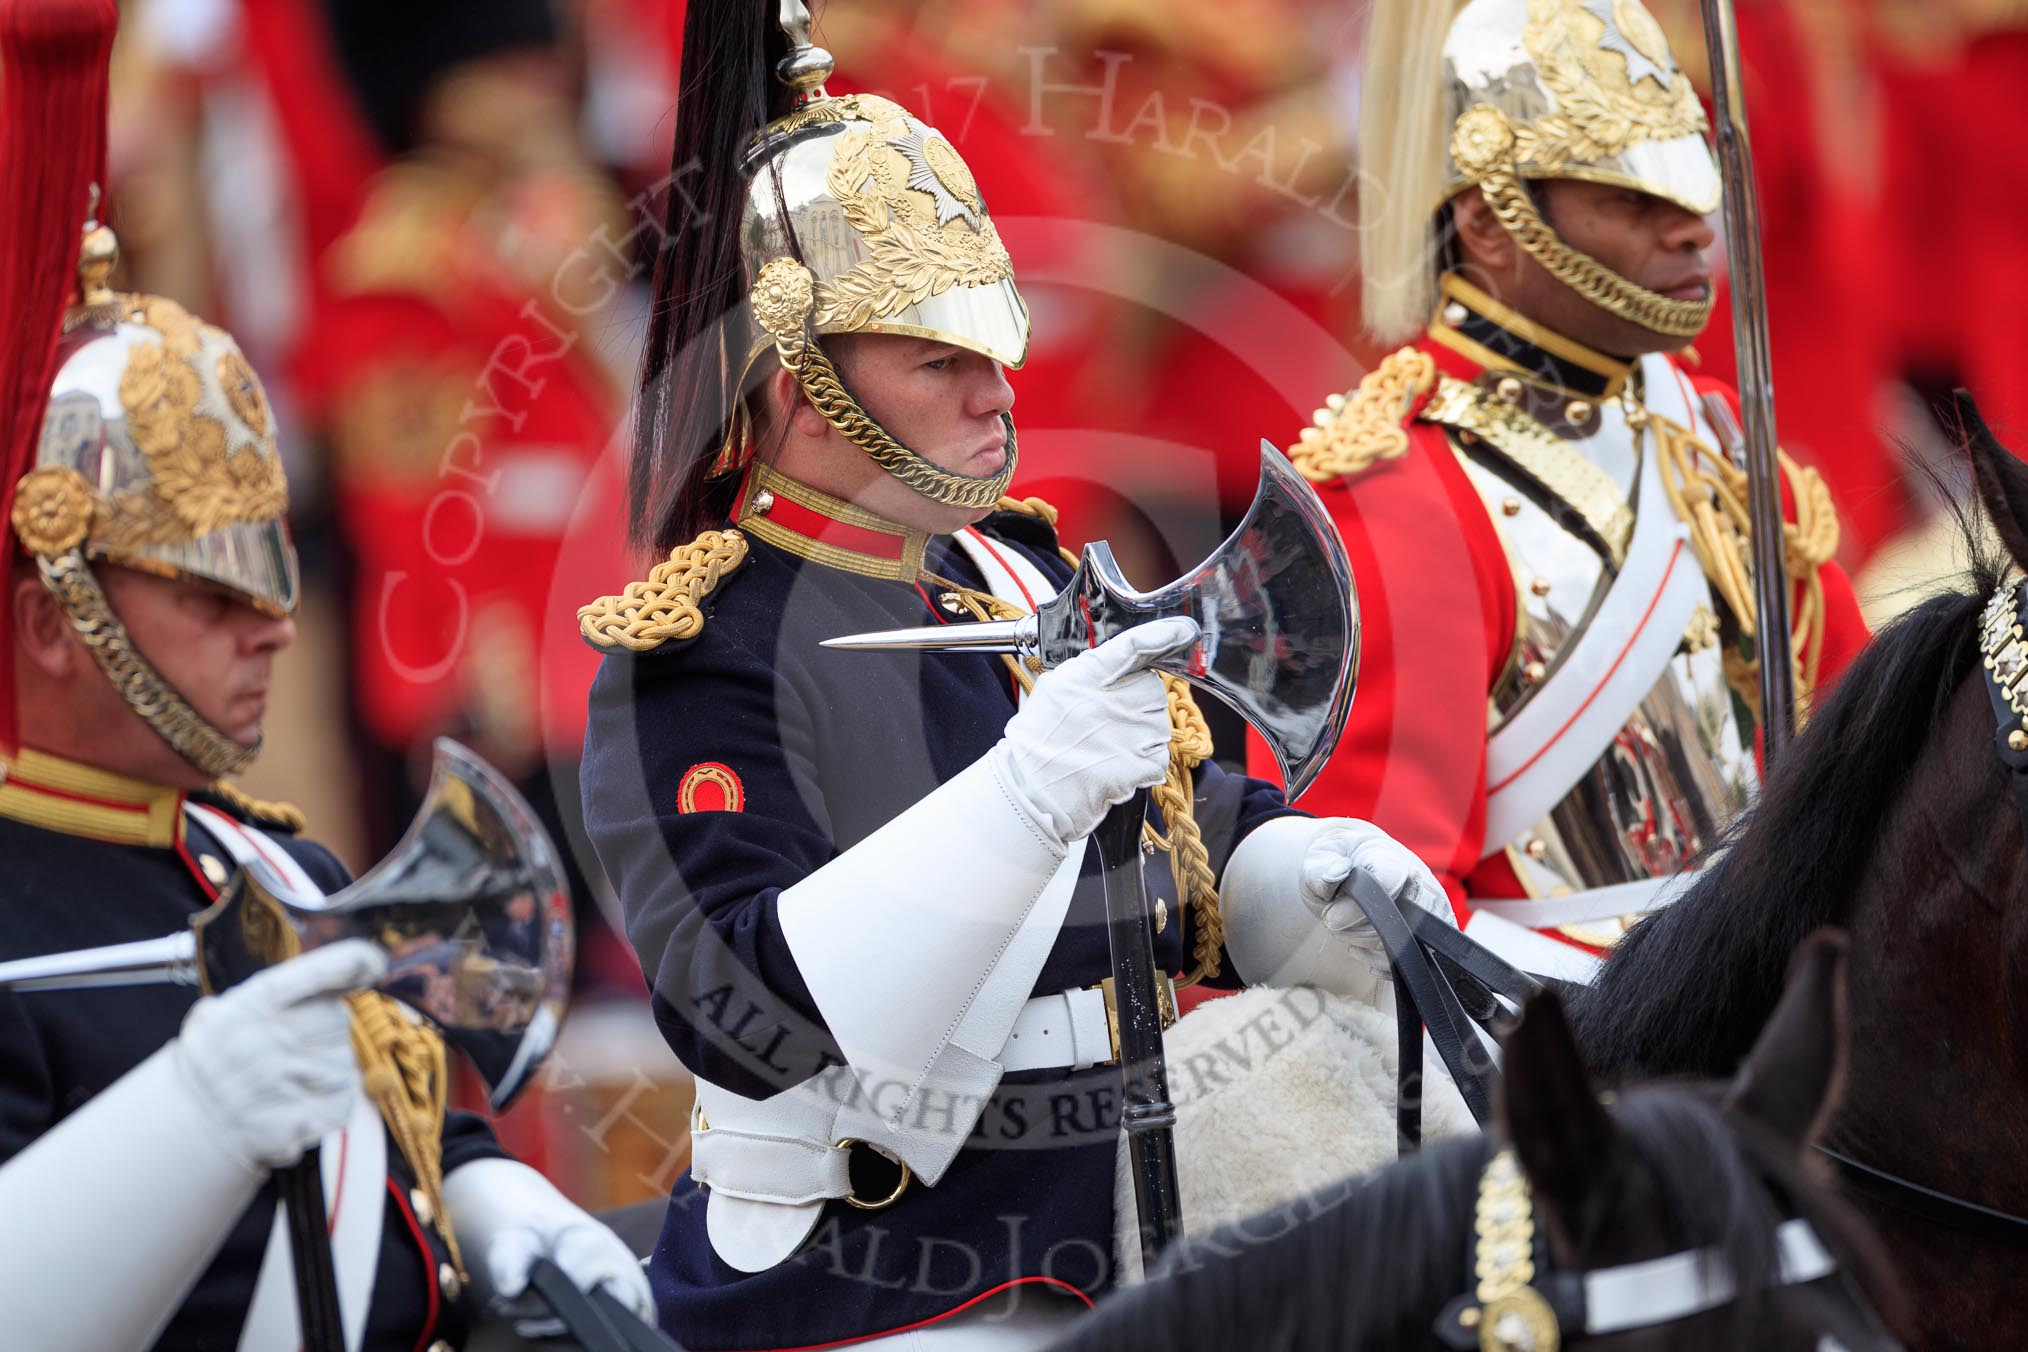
(158, 453)
(860, 218)
(1534, 89)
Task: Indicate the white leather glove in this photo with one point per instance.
(271, 1059)
(1290, 915)
(1333, 866)
(1092, 731)
(506, 1216)
(148, 1178)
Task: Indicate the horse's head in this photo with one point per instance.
(1683, 1220)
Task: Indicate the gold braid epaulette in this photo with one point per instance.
(1189, 747)
(1353, 432)
(666, 606)
(282, 816)
(402, 1065)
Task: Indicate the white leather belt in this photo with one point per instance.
(1074, 1028)
(1596, 903)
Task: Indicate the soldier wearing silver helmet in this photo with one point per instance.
(1539, 494)
(151, 582)
(860, 885)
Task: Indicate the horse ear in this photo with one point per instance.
(1794, 1076)
(1549, 1108)
(2001, 477)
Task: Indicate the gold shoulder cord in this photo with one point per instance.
(1189, 747)
(286, 816)
(1709, 495)
(666, 607)
(402, 1064)
(1354, 432)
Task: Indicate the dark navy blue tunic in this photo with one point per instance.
(822, 747)
(62, 891)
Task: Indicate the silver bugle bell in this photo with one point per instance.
(471, 908)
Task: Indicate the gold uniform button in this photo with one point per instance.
(1578, 412)
(441, 1346)
(214, 869)
(1540, 586)
(763, 503)
(1508, 390)
(425, 1214)
(449, 1282)
(1535, 673)
(1161, 915)
(1511, 506)
(1537, 847)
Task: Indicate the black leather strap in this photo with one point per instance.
(1428, 991)
(597, 1322)
(1938, 1208)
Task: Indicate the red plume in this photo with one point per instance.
(53, 61)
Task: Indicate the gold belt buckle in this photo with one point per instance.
(1165, 1001)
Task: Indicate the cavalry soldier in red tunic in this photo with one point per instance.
(1539, 496)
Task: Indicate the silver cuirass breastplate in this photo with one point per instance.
(1624, 809)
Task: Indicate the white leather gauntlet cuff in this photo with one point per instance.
(137, 1184)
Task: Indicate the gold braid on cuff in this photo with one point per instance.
(188, 732)
(783, 297)
(1484, 145)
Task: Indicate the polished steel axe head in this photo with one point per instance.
(1275, 607)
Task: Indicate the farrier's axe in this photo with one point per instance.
(1278, 642)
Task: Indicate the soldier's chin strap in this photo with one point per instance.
(193, 737)
(1449, 984)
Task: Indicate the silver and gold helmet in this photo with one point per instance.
(157, 453)
(860, 218)
(1535, 89)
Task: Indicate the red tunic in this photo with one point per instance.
(1437, 622)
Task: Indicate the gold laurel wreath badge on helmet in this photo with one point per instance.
(860, 218)
(1536, 89)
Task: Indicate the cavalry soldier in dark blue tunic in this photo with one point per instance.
(151, 581)
(859, 884)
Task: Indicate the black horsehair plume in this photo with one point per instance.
(727, 91)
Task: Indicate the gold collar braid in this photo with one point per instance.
(69, 577)
(1189, 747)
(1484, 146)
(783, 296)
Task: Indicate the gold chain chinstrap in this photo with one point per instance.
(783, 298)
(145, 689)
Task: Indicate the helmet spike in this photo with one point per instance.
(807, 66)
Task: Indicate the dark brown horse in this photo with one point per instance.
(1667, 1180)
(1895, 816)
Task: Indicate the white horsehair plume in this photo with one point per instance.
(1404, 153)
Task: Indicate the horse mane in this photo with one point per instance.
(1688, 989)
(1371, 1262)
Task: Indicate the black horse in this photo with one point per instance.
(1894, 816)
(1419, 1255)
